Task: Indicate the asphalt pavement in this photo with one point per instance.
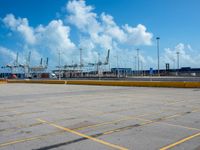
(79, 117)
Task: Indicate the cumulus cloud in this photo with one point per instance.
(138, 35)
(7, 52)
(20, 25)
(102, 30)
(186, 58)
(55, 37)
(82, 16)
(97, 33)
(42, 39)
(112, 29)
(7, 55)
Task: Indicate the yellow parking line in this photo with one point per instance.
(19, 141)
(83, 135)
(189, 128)
(173, 116)
(151, 121)
(28, 139)
(196, 110)
(101, 124)
(80, 128)
(107, 123)
(181, 141)
(146, 121)
(175, 102)
(112, 122)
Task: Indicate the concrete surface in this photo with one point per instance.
(43, 117)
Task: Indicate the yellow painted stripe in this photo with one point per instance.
(173, 116)
(28, 139)
(18, 141)
(83, 135)
(175, 125)
(150, 122)
(181, 141)
(196, 110)
(139, 117)
(115, 121)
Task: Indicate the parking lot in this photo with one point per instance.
(43, 117)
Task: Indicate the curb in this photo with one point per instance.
(113, 83)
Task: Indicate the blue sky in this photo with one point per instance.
(44, 27)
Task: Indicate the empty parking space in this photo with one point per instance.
(43, 117)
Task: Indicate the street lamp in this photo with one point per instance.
(158, 55)
(177, 61)
(59, 53)
(138, 60)
(81, 62)
(98, 65)
(174, 63)
(142, 71)
(117, 66)
(135, 64)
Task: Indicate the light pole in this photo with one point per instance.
(158, 55)
(59, 53)
(142, 73)
(117, 66)
(98, 66)
(177, 61)
(138, 56)
(174, 63)
(81, 62)
(135, 64)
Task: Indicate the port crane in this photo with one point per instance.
(100, 63)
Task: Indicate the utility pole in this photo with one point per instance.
(81, 61)
(117, 65)
(138, 56)
(177, 61)
(142, 67)
(16, 61)
(27, 65)
(98, 61)
(135, 64)
(174, 63)
(16, 64)
(59, 64)
(158, 55)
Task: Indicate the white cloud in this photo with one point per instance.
(186, 58)
(138, 35)
(6, 53)
(102, 30)
(97, 33)
(111, 29)
(35, 55)
(82, 16)
(20, 25)
(55, 37)
(43, 39)
(7, 56)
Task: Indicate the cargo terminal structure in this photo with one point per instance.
(38, 72)
(99, 69)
